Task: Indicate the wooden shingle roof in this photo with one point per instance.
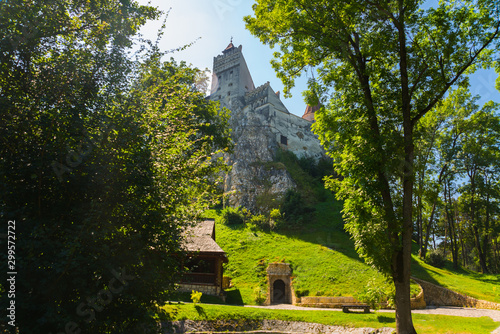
(201, 238)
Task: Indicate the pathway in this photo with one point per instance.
(444, 310)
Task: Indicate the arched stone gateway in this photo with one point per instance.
(279, 276)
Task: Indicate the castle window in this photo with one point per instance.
(228, 93)
(220, 78)
(284, 140)
(230, 84)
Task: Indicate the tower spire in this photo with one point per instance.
(229, 47)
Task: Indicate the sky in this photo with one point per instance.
(210, 25)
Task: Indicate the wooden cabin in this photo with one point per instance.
(204, 261)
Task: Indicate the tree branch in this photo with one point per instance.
(457, 75)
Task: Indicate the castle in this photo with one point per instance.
(261, 125)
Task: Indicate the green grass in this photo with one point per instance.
(324, 261)
(322, 257)
(423, 323)
(480, 286)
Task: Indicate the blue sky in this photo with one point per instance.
(212, 23)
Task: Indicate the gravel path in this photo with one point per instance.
(445, 310)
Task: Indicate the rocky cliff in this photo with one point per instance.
(254, 181)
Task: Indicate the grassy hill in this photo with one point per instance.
(480, 286)
(321, 254)
(323, 260)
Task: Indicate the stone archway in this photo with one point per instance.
(279, 277)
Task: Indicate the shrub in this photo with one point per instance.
(196, 296)
(435, 258)
(374, 294)
(233, 216)
(275, 219)
(260, 222)
(294, 208)
(259, 295)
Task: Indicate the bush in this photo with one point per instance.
(374, 294)
(294, 208)
(260, 222)
(435, 258)
(275, 219)
(233, 216)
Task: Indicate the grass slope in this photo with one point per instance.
(480, 286)
(324, 261)
(321, 254)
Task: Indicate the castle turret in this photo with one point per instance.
(231, 77)
(309, 113)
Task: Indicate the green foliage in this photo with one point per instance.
(375, 294)
(307, 174)
(259, 295)
(233, 216)
(103, 161)
(196, 296)
(276, 218)
(294, 208)
(377, 77)
(435, 258)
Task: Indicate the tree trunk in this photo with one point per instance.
(464, 259)
(475, 230)
(420, 222)
(495, 252)
(428, 228)
(404, 322)
(482, 258)
(451, 225)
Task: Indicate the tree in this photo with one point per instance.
(478, 161)
(437, 147)
(103, 161)
(382, 66)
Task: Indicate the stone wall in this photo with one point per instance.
(327, 302)
(278, 271)
(337, 302)
(438, 296)
(263, 326)
(419, 301)
(206, 289)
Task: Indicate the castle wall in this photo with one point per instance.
(260, 124)
(291, 132)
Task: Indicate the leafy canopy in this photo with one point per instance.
(381, 66)
(103, 161)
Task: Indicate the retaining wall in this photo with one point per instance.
(439, 296)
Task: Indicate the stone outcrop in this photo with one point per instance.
(253, 175)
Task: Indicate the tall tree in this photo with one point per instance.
(437, 146)
(383, 65)
(479, 162)
(102, 163)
